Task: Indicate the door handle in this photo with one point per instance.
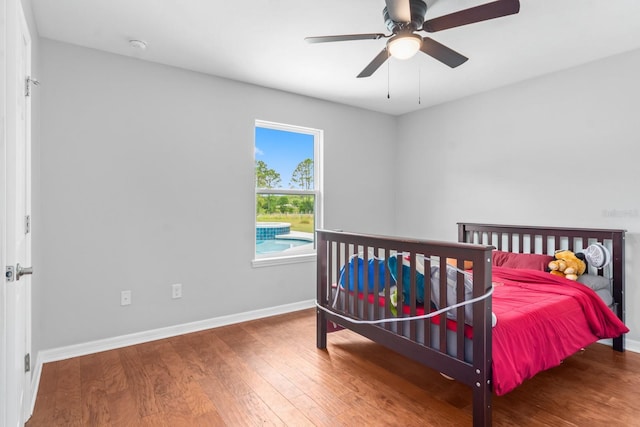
(21, 271)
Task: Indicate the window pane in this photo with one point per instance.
(284, 159)
(285, 224)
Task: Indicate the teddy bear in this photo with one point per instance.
(567, 264)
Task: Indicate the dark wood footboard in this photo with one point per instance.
(417, 339)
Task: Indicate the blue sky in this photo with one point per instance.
(282, 151)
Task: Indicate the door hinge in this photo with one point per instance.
(27, 362)
(27, 224)
(27, 85)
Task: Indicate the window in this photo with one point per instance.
(288, 191)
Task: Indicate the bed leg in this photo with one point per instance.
(481, 405)
(618, 343)
(321, 329)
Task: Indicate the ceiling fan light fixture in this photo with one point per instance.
(404, 46)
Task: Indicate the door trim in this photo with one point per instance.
(3, 208)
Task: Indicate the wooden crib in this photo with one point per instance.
(461, 349)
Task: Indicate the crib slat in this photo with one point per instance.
(412, 280)
(378, 281)
(460, 319)
(443, 303)
(347, 276)
(427, 301)
(399, 273)
(365, 281)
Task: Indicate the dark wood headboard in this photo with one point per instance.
(547, 240)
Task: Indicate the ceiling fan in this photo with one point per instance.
(404, 17)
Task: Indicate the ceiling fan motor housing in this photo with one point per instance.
(418, 12)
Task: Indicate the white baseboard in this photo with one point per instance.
(629, 345)
(67, 352)
(632, 345)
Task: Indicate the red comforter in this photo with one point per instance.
(542, 319)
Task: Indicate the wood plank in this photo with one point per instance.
(140, 384)
(171, 402)
(68, 395)
(95, 403)
(123, 409)
(114, 376)
(185, 371)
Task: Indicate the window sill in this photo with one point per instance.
(282, 260)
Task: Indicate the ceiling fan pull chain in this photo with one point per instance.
(388, 72)
(419, 87)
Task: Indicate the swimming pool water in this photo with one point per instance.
(278, 245)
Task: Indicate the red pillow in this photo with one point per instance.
(522, 261)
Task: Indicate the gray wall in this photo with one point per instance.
(147, 180)
(558, 150)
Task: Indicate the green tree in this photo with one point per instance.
(265, 176)
(306, 205)
(302, 176)
(283, 204)
(296, 202)
(264, 203)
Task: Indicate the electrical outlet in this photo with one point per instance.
(176, 290)
(125, 297)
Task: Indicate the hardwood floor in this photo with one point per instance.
(269, 372)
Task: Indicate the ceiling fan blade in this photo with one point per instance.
(399, 10)
(375, 64)
(442, 53)
(344, 37)
(472, 15)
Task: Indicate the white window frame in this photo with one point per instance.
(318, 136)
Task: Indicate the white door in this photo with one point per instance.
(17, 164)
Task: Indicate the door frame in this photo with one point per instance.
(3, 207)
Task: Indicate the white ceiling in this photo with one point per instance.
(261, 42)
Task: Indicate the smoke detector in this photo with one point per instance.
(138, 44)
